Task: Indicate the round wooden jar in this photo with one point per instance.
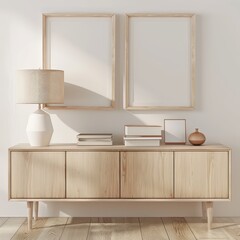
(196, 138)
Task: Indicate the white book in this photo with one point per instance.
(94, 135)
(94, 143)
(142, 143)
(95, 140)
(142, 130)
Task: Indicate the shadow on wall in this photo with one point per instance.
(79, 96)
(93, 121)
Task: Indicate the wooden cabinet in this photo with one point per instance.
(119, 173)
(37, 175)
(202, 175)
(106, 172)
(92, 174)
(147, 174)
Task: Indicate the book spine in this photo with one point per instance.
(94, 140)
(143, 131)
(82, 143)
(93, 136)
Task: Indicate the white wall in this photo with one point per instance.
(217, 111)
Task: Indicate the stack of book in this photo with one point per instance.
(94, 139)
(142, 135)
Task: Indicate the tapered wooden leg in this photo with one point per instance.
(209, 207)
(30, 214)
(35, 210)
(204, 209)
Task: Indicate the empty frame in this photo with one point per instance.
(160, 61)
(83, 45)
(175, 131)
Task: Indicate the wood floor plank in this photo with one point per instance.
(177, 229)
(76, 229)
(200, 229)
(10, 227)
(53, 229)
(115, 220)
(114, 229)
(233, 230)
(153, 229)
(43, 229)
(23, 233)
(2, 221)
(120, 229)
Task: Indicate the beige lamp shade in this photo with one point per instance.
(40, 86)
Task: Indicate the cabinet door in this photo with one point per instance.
(93, 175)
(37, 174)
(147, 174)
(201, 175)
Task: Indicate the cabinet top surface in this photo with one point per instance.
(73, 147)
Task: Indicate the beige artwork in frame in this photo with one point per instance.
(160, 61)
(83, 46)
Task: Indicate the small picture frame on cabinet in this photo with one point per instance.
(175, 131)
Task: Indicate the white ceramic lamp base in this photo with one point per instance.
(39, 128)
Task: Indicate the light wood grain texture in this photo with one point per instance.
(76, 229)
(163, 108)
(113, 102)
(35, 209)
(122, 200)
(10, 227)
(30, 215)
(146, 175)
(115, 229)
(37, 175)
(232, 230)
(209, 208)
(23, 233)
(152, 229)
(92, 175)
(201, 175)
(160, 14)
(3, 220)
(193, 61)
(74, 148)
(43, 229)
(218, 231)
(178, 229)
(45, 63)
(115, 220)
(230, 173)
(53, 228)
(120, 228)
(77, 14)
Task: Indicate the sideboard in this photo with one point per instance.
(120, 173)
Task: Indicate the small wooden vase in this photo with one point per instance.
(196, 138)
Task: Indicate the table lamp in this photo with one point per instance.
(40, 86)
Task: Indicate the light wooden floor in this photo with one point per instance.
(119, 229)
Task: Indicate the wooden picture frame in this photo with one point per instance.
(160, 61)
(175, 131)
(83, 45)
